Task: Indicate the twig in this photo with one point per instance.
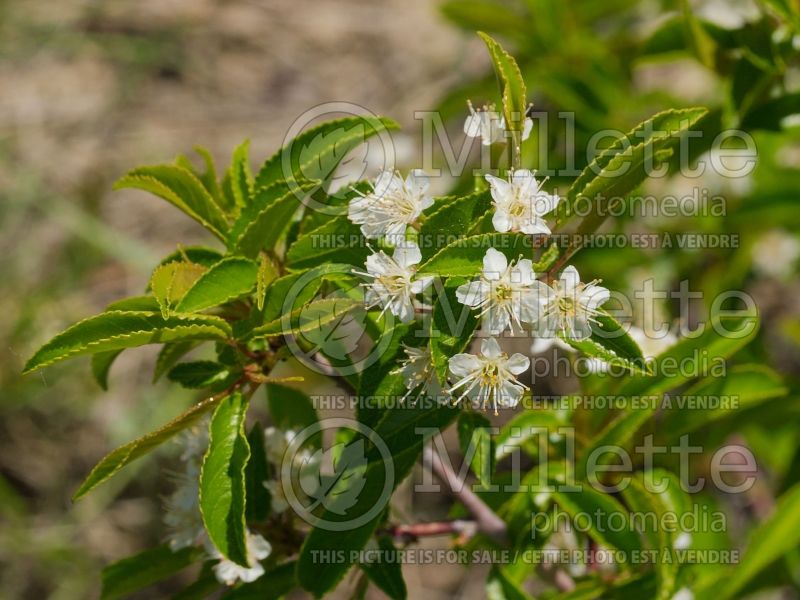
(414, 531)
(486, 519)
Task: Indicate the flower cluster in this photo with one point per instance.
(182, 511)
(508, 294)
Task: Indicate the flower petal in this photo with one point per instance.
(570, 279)
(407, 254)
(490, 348)
(462, 365)
(473, 293)
(518, 363)
(495, 264)
(593, 296)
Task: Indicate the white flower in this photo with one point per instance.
(276, 443)
(543, 344)
(418, 372)
(520, 203)
(490, 126)
(228, 572)
(506, 293)
(392, 205)
(393, 286)
(569, 306)
(489, 377)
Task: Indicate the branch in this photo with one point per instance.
(414, 531)
(486, 519)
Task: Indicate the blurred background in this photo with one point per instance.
(90, 89)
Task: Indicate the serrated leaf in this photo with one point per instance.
(200, 255)
(452, 219)
(341, 136)
(511, 83)
(337, 240)
(115, 330)
(285, 294)
(339, 491)
(318, 316)
(610, 343)
(101, 365)
(170, 354)
(222, 485)
(129, 575)
(266, 218)
(619, 168)
(267, 273)
(464, 257)
(182, 189)
(200, 374)
(524, 426)
(276, 583)
(209, 178)
(386, 572)
(241, 179)
(126, 454)
(230, 278)
(171, 281)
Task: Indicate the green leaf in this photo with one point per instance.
(129, 575)
(171, 281)
(227, 280)
(451, 219)
(338, 492)
(320, 316)
(200, 374)
(770, 541)
(267, 273)
(452, 326)
(126, 454)
(170, 354)
(116, 330)
(209, 178)
(241, 179)
(101, 365)
(314, 153)
(291, 292)
(511, 84)
(337, 240)
(200, 255)
(622, 167)
(464, 257)
(256, 473)
(526, 425)
(500, 587)
(769, 115)
(266, 218)
(691, 354)
(386, 572)
(749, 384)
(611, 343)
(596, 510)
(475, 440)
(289, 407)
(182, 189)
(222, 486)
(398, 428)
